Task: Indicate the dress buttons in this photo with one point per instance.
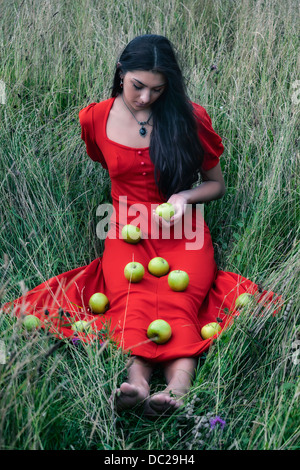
(139, 152)
(142, 163)
(144, 173)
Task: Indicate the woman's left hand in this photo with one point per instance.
(179, 202)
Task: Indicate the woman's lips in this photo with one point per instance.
(142, 105)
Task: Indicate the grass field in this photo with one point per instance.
(240, 60)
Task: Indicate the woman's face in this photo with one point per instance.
(142, 88)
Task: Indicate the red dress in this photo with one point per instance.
(64, 299)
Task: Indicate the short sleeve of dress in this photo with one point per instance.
(86, 119)
(211, 142)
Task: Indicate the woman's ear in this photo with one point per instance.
(121, 75)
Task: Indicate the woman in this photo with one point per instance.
(154, 143)
(147, 135)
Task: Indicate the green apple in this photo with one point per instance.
(82, 326)
(243, 300)
(134, 271)
(178, 280)
(31, 322)
(210, 330)
(131, 234)
(158, 266)
(98, 303)
(159, 331)
(165, 210)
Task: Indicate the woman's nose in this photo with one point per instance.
(145, 96)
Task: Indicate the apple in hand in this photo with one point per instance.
(31, 322)
(210, 330)
(98, 303)
(134, 271)
(159, 331)
(82, 326)
(165, 210)
(178, 280)
(158, 266)
(131, 234)
(243, 300)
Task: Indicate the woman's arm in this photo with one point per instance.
(213, 187)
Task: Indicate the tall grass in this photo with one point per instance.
(240, 62)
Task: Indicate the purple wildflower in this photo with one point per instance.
(214, 421)
(75, 341)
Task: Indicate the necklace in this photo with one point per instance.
(142, 130)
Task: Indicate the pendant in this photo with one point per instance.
(143, 131)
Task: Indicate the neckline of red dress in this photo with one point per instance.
(112, 141)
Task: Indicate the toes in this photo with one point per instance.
(128, 390)
(164, 402)
(127, 396)
(161, 402)
(149, 411)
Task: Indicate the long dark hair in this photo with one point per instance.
(175, 149)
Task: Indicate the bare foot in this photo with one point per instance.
(130, 395)
(163, 402)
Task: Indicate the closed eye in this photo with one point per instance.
(140, 88)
